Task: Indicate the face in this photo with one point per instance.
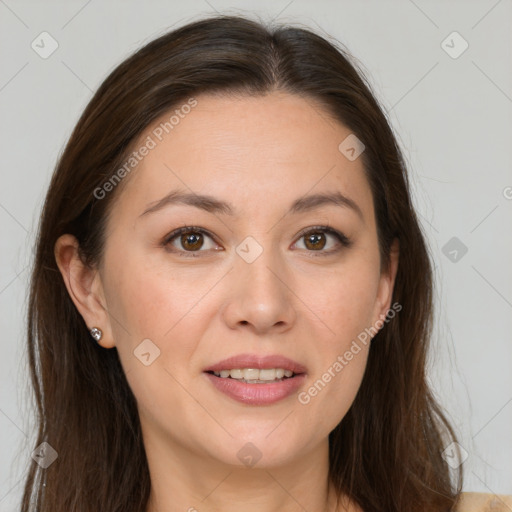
(266, 275)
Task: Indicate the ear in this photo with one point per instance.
(84, 287)
(387, 283)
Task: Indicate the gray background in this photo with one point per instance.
(453, 117)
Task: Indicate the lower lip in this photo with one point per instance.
(257, 394)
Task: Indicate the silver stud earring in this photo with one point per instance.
(96, 333)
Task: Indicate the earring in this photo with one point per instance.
(96, 333)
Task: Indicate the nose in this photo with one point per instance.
(260, 298)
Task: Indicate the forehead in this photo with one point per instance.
(247, 150)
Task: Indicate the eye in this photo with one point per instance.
(189, 239)
(317, 238)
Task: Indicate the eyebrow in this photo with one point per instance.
(216, 206)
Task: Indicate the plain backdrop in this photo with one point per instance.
(451, 108)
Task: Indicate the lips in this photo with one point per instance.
(259, 362)
(257, 392)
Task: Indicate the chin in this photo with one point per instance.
(258, 448)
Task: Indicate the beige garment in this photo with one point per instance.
(482, 502)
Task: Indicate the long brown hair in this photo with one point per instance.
(386, 453)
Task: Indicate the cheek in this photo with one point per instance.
(150, 299)
(345, 299)
(345, 303)
(155, 315)
(170, 308)
(332, 389)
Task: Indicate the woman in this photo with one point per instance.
(231, 299)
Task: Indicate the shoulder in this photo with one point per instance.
(482, 502)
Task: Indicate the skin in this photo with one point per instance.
(260, 154)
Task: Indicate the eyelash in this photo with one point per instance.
(342, 239)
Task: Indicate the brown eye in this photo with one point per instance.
(323, 240)
(192, 241)
(189, 240)
(315, 241)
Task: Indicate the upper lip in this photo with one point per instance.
(257, 361)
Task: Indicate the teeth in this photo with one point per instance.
(254, 375)
(268, 374)
(251, 374)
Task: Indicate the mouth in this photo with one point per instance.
(257, 380)
(255, 375)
